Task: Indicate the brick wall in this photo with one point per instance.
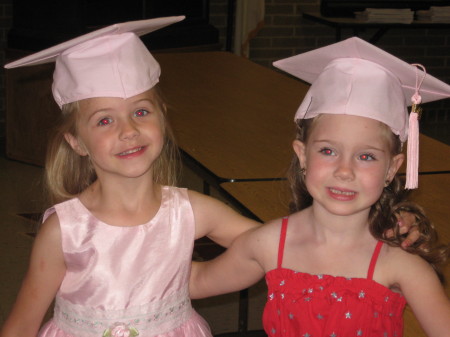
(285, 33)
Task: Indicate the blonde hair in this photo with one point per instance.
(67, 174)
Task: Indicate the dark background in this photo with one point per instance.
(41, 24)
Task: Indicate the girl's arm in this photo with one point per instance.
(237, 268)
(217, 221)
(424, 293)
(43, 278)
(222, 224)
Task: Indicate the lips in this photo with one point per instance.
(341, 194)
(130, 152)
(335, 191)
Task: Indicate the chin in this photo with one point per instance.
(345, 208)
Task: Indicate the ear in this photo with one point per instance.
(76, 144)
(300, 150)
(394, 166)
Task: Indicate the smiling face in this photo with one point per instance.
(348, 160)
(122, 137)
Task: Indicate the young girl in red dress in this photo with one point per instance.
(329, 268)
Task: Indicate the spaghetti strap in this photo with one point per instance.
(374, 259)
(282, 241)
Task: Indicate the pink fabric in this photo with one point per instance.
(132, 275)
(308, 66)
(412, 167)
(301, 304)
(352, 86)
(412, 164)
(108, 66)
(109, 62)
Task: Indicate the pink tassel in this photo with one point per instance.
(412, 166)
(412, 159)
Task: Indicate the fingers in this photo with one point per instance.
(405, 221)
(389, 233)
(413, 236)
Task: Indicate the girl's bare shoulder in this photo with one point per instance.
(396, 267)
(50, 227)
(264, 243)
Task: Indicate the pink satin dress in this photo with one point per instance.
(126, 281)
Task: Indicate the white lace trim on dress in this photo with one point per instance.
(153, 318)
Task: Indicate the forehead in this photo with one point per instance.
(100, 103)
(349, 127)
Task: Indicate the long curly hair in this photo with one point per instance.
(67, 174)
(394, 199)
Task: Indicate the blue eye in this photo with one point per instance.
(327, 151)
(367, 157)
(104, 121)
(141, 113)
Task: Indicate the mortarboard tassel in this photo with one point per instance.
(412, 163)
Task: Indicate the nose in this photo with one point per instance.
(128, 130)
(344, 170)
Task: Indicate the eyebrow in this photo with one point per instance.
(146, 100)
(95, 112)
(365, 147)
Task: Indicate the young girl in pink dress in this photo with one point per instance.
(329, 268)
(115, 251)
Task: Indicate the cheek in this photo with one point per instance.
(317, 164)
(158, 131)
(374, 177)
(157, 134)
(319, 169)
(94, 143)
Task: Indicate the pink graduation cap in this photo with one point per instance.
(109, 62)
(356, 78)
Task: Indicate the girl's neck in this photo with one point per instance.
(322, 243)
(125, 202)
(330, 227)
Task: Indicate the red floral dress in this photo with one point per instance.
(306, 305)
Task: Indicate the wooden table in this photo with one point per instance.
(434, 156)
(225, 110)
(230, 115)
(234, 118)
(269, 200)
